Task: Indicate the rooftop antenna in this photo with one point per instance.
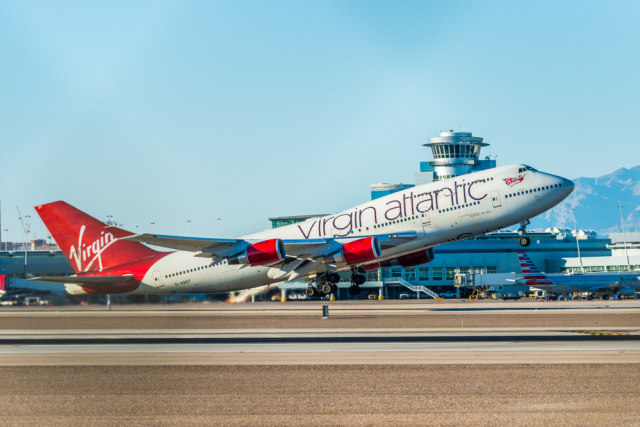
(575, 226)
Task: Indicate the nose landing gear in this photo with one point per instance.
(524, 240)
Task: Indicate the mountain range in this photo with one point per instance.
(596, 201)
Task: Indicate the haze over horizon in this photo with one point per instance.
(162, 112)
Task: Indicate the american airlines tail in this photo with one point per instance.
(531, 274)
(90, 244)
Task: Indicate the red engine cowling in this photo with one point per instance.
(416, 258)
(361, 250)
(261, 253)
(408, 260)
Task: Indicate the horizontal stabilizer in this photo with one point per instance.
(85, 280)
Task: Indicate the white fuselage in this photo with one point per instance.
(440, 212)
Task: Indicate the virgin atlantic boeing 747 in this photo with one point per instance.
(399, 229)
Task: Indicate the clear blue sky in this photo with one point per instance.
(168, 111)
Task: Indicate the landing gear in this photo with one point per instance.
(326, 288)
(333, 277)
(357, 279)
(357, 276)
(524, 240)
(323, 285)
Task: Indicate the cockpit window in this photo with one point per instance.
(526, 168)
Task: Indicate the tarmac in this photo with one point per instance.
(368, 363)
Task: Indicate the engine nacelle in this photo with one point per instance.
(627, 292)
(408, 260)
(261, 253)
(359, 251)
(415, 258)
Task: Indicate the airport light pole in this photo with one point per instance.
(5, 243)
(219, 227)
(188, 222)
(624, 239)
(575, 226)
(25, 227)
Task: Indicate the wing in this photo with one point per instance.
(613, 286)
(303, 256)
(221, 247)
(85, 280)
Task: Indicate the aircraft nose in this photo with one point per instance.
(567, 186)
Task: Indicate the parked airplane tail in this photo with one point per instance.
(3, 283)
(531, 273)
(90, 244)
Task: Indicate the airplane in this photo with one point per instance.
(399, 229)
(605, 284)
(11, 296)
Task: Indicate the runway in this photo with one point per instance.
(370, 363)
(354, 333)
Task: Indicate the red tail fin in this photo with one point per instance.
(90, 244)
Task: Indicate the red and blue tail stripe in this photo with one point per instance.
(531, 273)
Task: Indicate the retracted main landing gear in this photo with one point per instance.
(357, 279)
(323, 285)
(524, 240)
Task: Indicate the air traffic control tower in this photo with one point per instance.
(454, 153)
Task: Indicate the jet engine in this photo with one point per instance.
(261, 253)
(627, 292)
(409, 260)
(415, 258)
(359, 251)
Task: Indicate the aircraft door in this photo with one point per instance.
(426, 222)
(495, 199)
(157, 279)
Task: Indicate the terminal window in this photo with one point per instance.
(436, 273)
(423, 274)
(373, 275)
(410, 274)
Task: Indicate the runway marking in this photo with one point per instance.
(601, 333)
